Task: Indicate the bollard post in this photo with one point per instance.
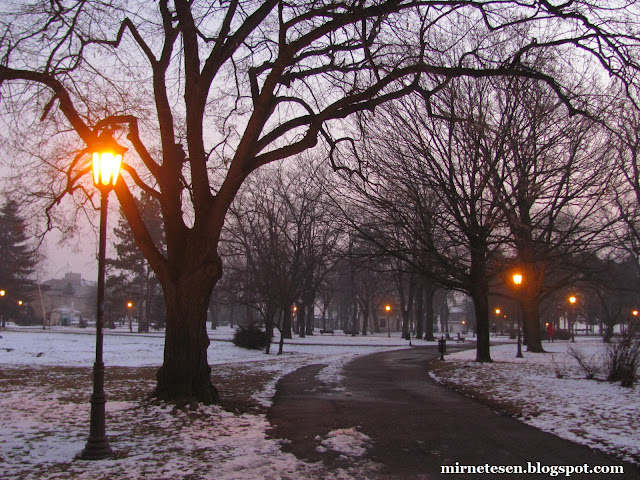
(442, 347)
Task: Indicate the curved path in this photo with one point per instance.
(415, 425)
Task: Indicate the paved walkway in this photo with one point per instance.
(416, 426)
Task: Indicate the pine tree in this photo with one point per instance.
(18, 258)
(130, 275)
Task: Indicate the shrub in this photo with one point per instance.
(623, 359)
(250, 336)
(590, 366)
(560, 370)
(562, 335)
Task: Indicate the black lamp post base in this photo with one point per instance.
(96, 449)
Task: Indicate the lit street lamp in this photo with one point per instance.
(388, 310)
(130, 306)
(517, 281)
(2, 294)
(106, 159)
(572, 303)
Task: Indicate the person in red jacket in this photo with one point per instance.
(550, 331)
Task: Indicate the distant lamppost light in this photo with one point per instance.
(572, 300)
(2, 294)
(517, 281)
(388, 310)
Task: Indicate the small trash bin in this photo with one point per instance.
(442, 347)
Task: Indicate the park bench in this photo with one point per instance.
(350, 332)
(323, 331)
(460, 339)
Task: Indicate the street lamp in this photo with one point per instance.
(517, 281)
(2, 294)
(106, 162)
(498, 320)
(572, 303)
(388, 310)
(130, 306)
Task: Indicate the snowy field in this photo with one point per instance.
(597, 413)
(45, 385)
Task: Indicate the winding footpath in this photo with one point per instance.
(415, 425)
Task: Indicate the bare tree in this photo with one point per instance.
(429, 184)
(207, 93)
(284, 239)
(554, 182)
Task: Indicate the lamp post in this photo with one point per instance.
(387, 308)
(2, 294)
(107, 159)
(498, 322)
(129, 307)
(517, 281)
(572, 303)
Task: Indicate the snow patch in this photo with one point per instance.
(346, 441)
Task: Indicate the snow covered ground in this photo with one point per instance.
(45, 385)
(550, 392)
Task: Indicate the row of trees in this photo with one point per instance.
(490, 175)
(205, 94)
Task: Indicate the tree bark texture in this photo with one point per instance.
(185, 372)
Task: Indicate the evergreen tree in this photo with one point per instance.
(131, 277)
(18, 258)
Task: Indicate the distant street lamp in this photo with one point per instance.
(572, 303)
(107, 160)
(517, 281)
(2, 294)
(130, 306)
(498, 321)
(388, 310)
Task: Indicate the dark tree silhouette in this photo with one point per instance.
(19, 257)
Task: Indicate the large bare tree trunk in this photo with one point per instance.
(419, 311)
(479, 290)
(481, 307)
(534, 276)
(374, 314)
(185, 372)
(428, 331)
